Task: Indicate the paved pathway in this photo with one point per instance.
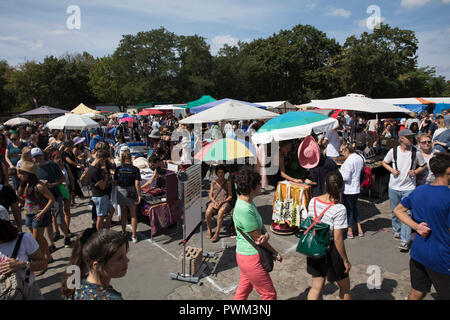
(151, 263)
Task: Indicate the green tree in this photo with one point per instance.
(194, 77)
(372, 63)
(7, 98)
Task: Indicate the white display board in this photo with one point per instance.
(192, 197)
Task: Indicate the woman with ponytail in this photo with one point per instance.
(334, 265)
(101, 256)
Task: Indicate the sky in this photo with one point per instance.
(33, 29)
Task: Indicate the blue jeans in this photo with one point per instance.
(349, 201)
(395, 197)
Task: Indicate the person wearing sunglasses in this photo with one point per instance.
(426, 148)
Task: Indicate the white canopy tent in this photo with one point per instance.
(72, 122)
(176, 108)
(230, 110)
(278, 106)
(357, 102)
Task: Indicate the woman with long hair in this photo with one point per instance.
(127, 177)
(37, 200)
(100, 257)
(335, 264)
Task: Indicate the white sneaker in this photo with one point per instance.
(135, 240)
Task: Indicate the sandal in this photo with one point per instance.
(208, 234)
(215, 238)
(361, 234)
(350, 235)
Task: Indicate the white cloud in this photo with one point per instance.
(415, 3)
(338, 12)
(219, 41)
(23, 42)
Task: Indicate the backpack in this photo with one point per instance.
(365, 178)
(13, 287)
(413, 157)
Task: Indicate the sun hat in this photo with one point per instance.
(4, 214)
(36, 152)
(29, 166)
(406, 133)
(78, 140)
(155, 134)
(141, 163)
(309, 153)
(124, 148)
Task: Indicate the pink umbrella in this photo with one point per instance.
(128, 119)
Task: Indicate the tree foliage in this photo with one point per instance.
(298, 65)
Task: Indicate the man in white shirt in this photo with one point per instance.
(351, 173)
(332, 143)
(402, 181)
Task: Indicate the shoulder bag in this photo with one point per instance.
(315, 235)
(265, 256)
(13, 287)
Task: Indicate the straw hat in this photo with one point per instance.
(141, 163)
(29, 166)
(309, 153)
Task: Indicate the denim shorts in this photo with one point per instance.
(102, 205)
(31, 222)
(57, 210)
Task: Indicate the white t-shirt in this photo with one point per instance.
(335, 217)
(373, 125)
(28, 246)
(333, 143)
(351, 173)
(155, 125)
(403, 182)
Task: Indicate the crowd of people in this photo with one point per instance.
(43, 172)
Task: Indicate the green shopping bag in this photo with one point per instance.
(63, 190)
(315, 237)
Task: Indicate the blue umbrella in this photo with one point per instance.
(125, 115)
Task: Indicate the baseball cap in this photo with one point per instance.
(36, 152)
(78, 140)
(406, 133)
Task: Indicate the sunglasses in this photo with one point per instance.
(423, 142)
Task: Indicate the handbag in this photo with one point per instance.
(287, 204)
(277, 206)
(13, 287)
(265, 256)
(63, 190)
(315, 235)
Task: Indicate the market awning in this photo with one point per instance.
(44, 110)
(201, 101)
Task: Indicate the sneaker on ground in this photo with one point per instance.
(67, 242)
(403, 247)
(397, 236)
(51, 249)
(135, 240)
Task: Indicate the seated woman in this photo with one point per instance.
(221, 196)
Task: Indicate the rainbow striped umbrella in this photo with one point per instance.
(226, 149)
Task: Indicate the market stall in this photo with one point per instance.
(290, 206)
